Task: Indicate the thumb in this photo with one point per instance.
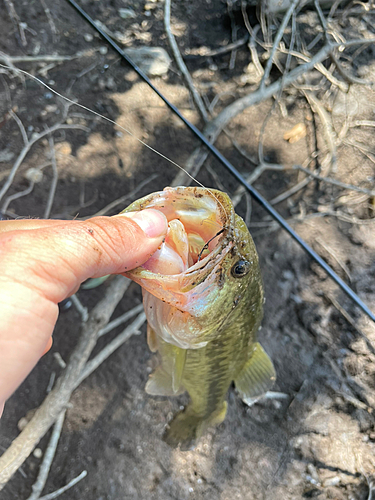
(43, 262)
(54, 257)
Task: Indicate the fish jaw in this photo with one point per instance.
(181, 280)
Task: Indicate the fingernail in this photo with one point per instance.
(152, 222)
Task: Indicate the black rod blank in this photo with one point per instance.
(253, 192)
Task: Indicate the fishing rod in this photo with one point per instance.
(253, 192)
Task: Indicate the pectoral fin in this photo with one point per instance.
(152, 340)
(179, 358)
(160, 384)
(167, 378)
(257, 376)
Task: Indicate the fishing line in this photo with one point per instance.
(253, 192)
(208, 242)
(75, 103)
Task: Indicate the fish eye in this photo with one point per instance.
(240, 269)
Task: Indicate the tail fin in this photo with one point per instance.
(187, 427)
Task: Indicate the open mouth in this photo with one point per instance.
(197, 223)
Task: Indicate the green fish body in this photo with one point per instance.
(203, 298)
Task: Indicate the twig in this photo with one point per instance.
(215, 126)
(27, 148)
(62, 490)
(319, 67)
(232, 61)
(346, 75)
(334, 255)
(255, 174)
(55, 178)
(253, 50)
(121, 319)
(278, 38)
(20, 126)
(16, 21)
(329, 180)
(130, 330)
(51, 382)
(216, 177)
(48, 458)
(180, 62)
(371, 487)
(50, 19)
(127, 196)
(15, 196)
(58, 398)
(217, 52)
(11, 60)
(351, 322)
(327, 124)
(80, 308)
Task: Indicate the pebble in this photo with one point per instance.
(332, 481)
(88, 37)
(154, 61)
(38, 453)
(126, 13)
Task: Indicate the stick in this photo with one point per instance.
(278, 38)
(327, 124)
(62, 490)
(120, 320)
(48, 458)
(351, 322)
(80, 308)
(58, 398)
(180, 63)
(27, 148)
(215, 126)
(93, 364)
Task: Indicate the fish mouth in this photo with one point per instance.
(200, 234)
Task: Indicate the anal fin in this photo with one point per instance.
(257, 376)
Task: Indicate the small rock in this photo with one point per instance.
(88, 37)
(126, 13)
(103, 51)
(22, 422)
(154, 61)
(38, 453)
(332, 481)
(34, 175)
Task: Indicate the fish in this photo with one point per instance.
(203, 299)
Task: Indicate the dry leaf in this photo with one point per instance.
(296, 133)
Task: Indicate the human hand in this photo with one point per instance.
(42, 262)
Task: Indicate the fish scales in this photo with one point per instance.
(203, 299)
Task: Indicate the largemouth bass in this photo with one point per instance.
(203, 298)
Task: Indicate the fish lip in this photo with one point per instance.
(210, 261)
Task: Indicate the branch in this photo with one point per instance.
(180, 62)
(48, 458)
(27, 148)
(62, 490)
(278, 38)
(215, 126)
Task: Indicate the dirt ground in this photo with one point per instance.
(318, 441)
